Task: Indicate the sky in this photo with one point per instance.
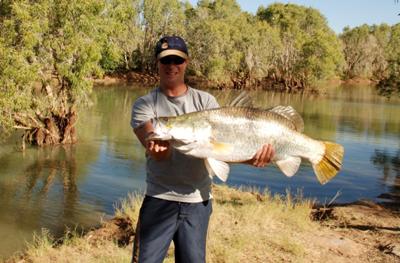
(341, 13)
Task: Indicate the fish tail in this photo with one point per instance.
(331, 162)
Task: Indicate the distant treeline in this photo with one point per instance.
(51, 49)
(283, 46)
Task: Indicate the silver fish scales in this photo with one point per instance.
(234, 134)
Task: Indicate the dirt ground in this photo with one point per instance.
(347, 233)
(359, 232)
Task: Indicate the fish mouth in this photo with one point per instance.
(161, 130)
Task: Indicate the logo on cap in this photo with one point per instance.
(164, 45)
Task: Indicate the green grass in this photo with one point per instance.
(245, 226)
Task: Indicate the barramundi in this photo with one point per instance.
(234, 134)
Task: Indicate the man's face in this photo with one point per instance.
(172, 69)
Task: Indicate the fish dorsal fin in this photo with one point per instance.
(291, 114)
(218, 168)
(242, 100)
(289, 166)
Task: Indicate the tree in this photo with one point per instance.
(311, 50)
(49, 51)
(391, 82)
(210, 42)
(224, 43)
(159, 18)
(372, 52)
(258, 46)
(361, 50)
(380, 64)
(122, 18)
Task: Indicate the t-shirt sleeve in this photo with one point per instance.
(212, 102)
(142, 111)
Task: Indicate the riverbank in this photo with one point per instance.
(198, 82)
(146, 79)
(248, 227)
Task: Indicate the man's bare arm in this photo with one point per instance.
(143, 132)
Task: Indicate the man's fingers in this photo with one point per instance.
(162, 148)
(271, 153)
(157, 146)
(150, 145)
(257, 157)
(164, 144)
(264, 155)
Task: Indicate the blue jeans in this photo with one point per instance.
(161, 221)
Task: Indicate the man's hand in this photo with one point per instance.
(158, 150)
(263, 156)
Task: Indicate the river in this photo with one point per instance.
(56, 187)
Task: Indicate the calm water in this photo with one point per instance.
(74, 185)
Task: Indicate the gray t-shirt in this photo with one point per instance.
(180, 178)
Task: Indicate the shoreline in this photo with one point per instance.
(251, 227)
(145, 78)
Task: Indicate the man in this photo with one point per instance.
(177, 203)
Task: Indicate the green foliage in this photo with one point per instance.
(311, 50)
(122, 28)
(361, 49)
(159, 18)
(212, 45)
(228, 45)
(18, 70)
(260, 44)
(51, 49)
(390, 83)
(372, 52)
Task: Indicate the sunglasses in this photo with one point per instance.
(175, 60)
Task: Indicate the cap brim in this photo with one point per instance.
(172, 52)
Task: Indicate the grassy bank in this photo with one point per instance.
(245, 227)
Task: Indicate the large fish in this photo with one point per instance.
(234, 134)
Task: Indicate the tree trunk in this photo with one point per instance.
(56, 129)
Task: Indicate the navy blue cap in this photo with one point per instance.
(171, 45)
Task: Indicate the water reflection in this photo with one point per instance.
(38, 189)
(58, 186)
(47, 166)
(54, 164)
(389, 88)
(355, 109)
(389, 164)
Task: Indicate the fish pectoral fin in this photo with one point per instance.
(289, 166)
(218, 168)
(221, 147)
(188, 141)
(186, 148)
